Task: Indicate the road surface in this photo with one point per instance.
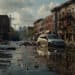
(26, 62)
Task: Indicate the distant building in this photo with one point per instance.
(38, 26)
(31, 28)
(64, 20)
(4, 27)
(43, 25)
(48, 23)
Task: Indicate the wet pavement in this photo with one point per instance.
(25, 61)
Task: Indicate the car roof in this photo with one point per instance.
(43, 35)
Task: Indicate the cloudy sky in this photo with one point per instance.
(25, 12)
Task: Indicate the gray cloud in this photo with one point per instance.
(13, 5)
(22, 7)
(45, 9)
(27, 16)
(27, 10)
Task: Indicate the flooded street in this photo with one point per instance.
(37, 37)
(25, 61)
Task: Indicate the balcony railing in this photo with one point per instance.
(66, 14)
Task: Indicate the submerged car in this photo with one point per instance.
(42, 45)
(50, 43)
(55, 43)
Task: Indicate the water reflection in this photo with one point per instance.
(24, 62)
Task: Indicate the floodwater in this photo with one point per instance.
(25, 62)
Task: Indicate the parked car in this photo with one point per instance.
(50, 43)
(55, 43)
(42, 45)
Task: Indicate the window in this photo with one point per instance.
(69, 11)
(72, 10)
(44, 37)
(63, 13)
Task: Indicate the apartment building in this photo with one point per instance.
(64, 20)
(4, 27)
(48, 23)
(38, 26)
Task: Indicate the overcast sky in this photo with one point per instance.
(25, 12)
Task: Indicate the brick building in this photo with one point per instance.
(64, 20)
(31, 30)
(38, 26)
(48, 23)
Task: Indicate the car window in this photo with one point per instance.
(44, 37)
(53, 37)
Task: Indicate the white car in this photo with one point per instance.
(42, 48)
(50, 43)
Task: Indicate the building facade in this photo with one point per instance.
(38, 26)
(64, 20)
(4, 27)
(48, 23)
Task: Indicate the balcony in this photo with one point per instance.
(66, 14)
(61, 16)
